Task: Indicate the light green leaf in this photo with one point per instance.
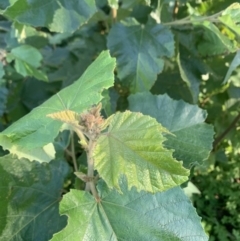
(137, 216)
(192, 139)
(27, 54)
(27, 60)
(29, 198)
(132, 145)
(233, 11)
(36, 130)
(235, 63)
(191, 189)
(228, 21)
(214, 42)
(113, 3)
(139, 50)
(58, 16)
(40, 154)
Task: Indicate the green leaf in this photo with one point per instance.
(58, 16)
(233, 11)
(137, 216)
(27, 60)
(139, 51)
(29, 198)
(170, 82)
(228, 21)
(192, 139)
(132, 145)
(29, 35)
(2, 72)
(214, 42)
(191, 69)
(113, 3)
(235, 63)
(127, 4)
(36, 130)
(132, 3)
(41, 154)
(6, 3)
(191, 189)
(3, 99)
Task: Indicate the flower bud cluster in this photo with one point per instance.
(92, 121)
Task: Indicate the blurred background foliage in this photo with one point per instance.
(196, 74)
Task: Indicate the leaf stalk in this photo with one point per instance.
(91, 184)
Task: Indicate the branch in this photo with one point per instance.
(230, 127)
(188, 20)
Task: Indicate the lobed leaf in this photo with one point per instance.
(132, 145)
(139, 51)
(58, 16)
(138, 216)
(192, 139)
(36, 130)
(29, 199)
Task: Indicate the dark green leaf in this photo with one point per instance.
(58, 16)
(3, 99)
(5, 3)
(170, 82)
(29, 199)
(191, 69)
(30, 36)
(192, 139)
(139, 51)
(137, 216)
(2, 72)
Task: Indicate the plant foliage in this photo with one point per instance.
(102, 118)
